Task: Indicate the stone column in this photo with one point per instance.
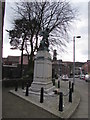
(42, 73)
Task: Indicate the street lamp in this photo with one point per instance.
(74, 57)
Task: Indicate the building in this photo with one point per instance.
(60, 67)
(12, 66)
(11, 60)
(25, 59)
(15, 60)
(86, 67)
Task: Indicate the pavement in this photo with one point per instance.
(83, 109)
(49, 108)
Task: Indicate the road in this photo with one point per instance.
(14, 106)
(82, 110)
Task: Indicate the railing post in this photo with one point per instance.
(41, 95)
(70, 95)
(53, 81)
(58, 83)
(16, 85)
(26, 94)
(69, 84)
(61, 101)
(22, 84)
(72, 87)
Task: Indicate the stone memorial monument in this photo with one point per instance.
(43, 67)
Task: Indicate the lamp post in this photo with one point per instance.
(74, 57)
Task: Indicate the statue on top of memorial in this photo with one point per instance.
(44, 44)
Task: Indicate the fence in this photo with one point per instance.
(61, 94)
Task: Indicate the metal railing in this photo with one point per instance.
(61, 94)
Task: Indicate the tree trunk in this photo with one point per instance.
(21, 72)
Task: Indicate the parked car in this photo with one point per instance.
(65, 78)
(76, 76)
(87, 77)
(82, 76)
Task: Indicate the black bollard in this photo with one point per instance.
(61, 102)
(58, 83)
(53, 81)
(16, 85)
(69, 84)
(26, 94)
(72, 87)
(70, 95)
(41, 95)
(22, 84)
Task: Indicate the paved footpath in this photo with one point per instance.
(16, 107)
(82, 110)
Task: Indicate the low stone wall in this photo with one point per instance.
(12, 82)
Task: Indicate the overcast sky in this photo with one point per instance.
(80, 27)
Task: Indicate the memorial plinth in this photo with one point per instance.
(42, 73)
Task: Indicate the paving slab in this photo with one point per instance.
(51, 102)
(83, 108)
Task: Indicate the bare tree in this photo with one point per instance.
(57, 16)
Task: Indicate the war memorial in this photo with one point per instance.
(60, 102)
